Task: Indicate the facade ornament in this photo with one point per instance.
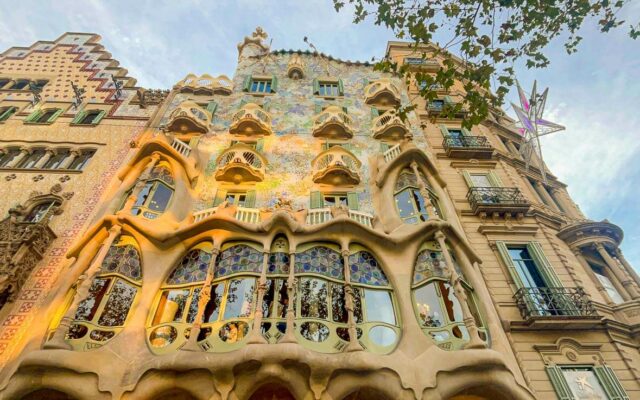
(257, 39)
(64, 178)
(117, 85)
(78, 95)
(35, 91)
(10, 177)
(37, 178)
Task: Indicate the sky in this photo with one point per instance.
(594, 93)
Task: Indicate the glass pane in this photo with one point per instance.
(610, 288)
(338, 305)
(212, 310)
(526, 268)
(283, 298)
(313, 294)
(193, 306)
(144, 193)
(357, 305)
(584, 384)
(87, 307)
(239, 298)
(379, 306)
(451, 304)
(117, 308)
(161, 197)
(314, 331)
(234, 332)
(171, 306)
(480, 181)
(382, 335)
(269, 298)
(428, 305)
(404, 203)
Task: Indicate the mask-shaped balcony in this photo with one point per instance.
(189, 117)
(205, 85)
(382, 93)
(250, 120)
(336, 166)
(295, 68)
(389, 126)
(240, 163)
(333, 123)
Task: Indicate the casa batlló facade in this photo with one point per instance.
(283, 234)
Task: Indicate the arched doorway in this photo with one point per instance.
(48, 394)
(272, 392)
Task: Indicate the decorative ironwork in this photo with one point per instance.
(78, 94)
(466, 141)
(118, 86)
(35, 91)
(554, 302)
(496, 197)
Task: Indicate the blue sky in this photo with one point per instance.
(595, 93)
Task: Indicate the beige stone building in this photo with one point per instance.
(283, 234)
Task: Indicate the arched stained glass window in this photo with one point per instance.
(156, 194)
(409, 201)
(227, 316)
(321, 304)
(437, 308)
(103, 313)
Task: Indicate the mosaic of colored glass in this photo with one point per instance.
(366, 270)
(239, 258)
(278, 263)
(320, 260)
(192, 268)
(429, 264)
(407, 178)
(162, 173)
(123, 260)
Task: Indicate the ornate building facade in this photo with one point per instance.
(284, 234)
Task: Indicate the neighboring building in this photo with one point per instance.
(285, 235)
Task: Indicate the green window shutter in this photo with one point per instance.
(543, 264)
(98, 117)
(55, 115)
(444, 130)
(193, 143)
(506, 258)
(448, 100)
(340, 87)
(345, 110)
(212, 107)
(316, 87)
(318, 108)
(559, 383)
(374, 113)
(33, 116)
(315, 200)
(79, 117)
(352, 201)
(610, 383)
(467, 178)
(465, 132)
(8, 113)
(221, 194)
(325, 146)
(494, 179)
(246, 85)
(250, 199)
(260, 145)
(384, 147)
(274, 84)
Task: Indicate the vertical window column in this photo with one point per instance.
(423, 191)
(73, 154)
(349, 301)
(460, 293)
(140, 184)
(24, 152)
(620, 275)
(546, 198)
(256, 335)
(626, 264)
(577, 252)
(44, 159)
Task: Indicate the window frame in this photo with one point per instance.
(7, 112)
(320, 84)
(34, 117)
(270, 85)
(79, 119)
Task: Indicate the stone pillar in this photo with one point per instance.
(73, 154)
(627, 266)
(24, 152)
(546, 197)
(289, 336)
(141, 182)
(631, 291)
(256, 335)
(571, 207)
(514, 150)
(577, 252)
(557, 195)
(47, 156)
(354, 344)
(203, 299)
(82, 291)
(424, 192)
(458, 290)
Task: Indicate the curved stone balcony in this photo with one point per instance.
(389, 126)
(295, 67)
(334, 123)
(382, 92)
(240, 163)
(205, 84)
(336, 166)
(251, 119)
(189, 117)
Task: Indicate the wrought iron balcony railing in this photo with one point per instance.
(467, 146)
(554, 302)
(497, 199)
